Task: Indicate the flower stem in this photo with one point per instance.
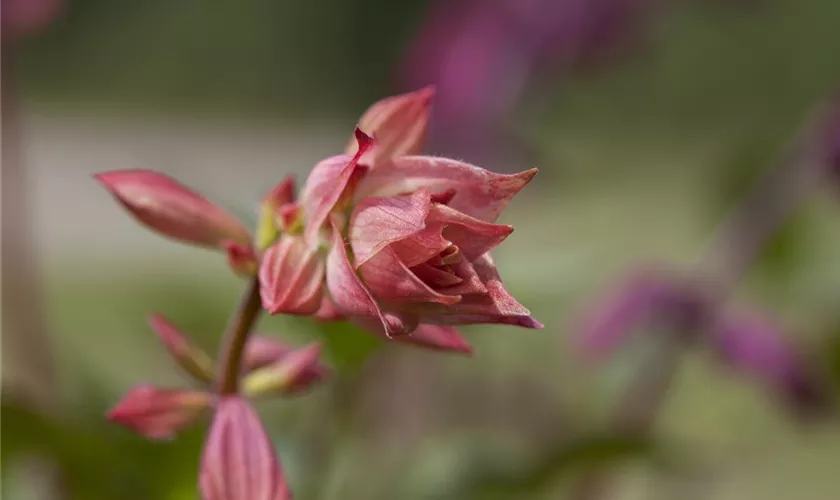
(236, 336)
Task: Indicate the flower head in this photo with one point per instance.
(394, 241)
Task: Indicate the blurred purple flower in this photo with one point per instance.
(752, 345)
(647, 298)
(481, 54)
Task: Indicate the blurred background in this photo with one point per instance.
(648, 120)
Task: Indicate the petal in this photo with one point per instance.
(421, 246)
(291, 277)
(238, 460)
(470, 280)
(377, 222)
(479, 193)
(191, 358)
(157, 413)
(328, 311)
(293, 373)
(389, 280)
(435, 277)
(166, 206)
(398, 123)
(474, 237)
(352, 297)
(326, 184)
(497, 306)
(441, 338)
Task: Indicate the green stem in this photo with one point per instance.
(236, 336)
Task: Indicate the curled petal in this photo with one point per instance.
(377, 222)
(478, 193)
(291, 277)
(399, 124)
(241, 258)
(474, 237)
(157, 413)
(496, 306)
(326, 184)
(421, 246)
(291, 373)
(389, 280)
(755, 347)
(351, 297)
(238, 461)
(166, 206)
(191, 358)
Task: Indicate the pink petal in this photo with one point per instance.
(377, 222)
(325, 186)
(238, 461)
(291, 277)
(352, 297)
(474, 237)
(435, 277)
(164, 205)
(328, 311)
(191, 358)
(292, 373)
(442, 338)
(389, 280)
(479, 193)
(399, 124)
(157, 413)
(470, 280)
(497, 306)
(421, 246)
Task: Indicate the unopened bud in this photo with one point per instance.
(191, 358)
(158, 413)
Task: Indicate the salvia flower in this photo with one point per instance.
(395, 241)
(238, 462)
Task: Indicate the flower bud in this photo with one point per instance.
(242, 259)
(192, 359)
(166, 206)
(267, 228)
(291, 277)
(239, 462)
(292, 372)
(158, 413)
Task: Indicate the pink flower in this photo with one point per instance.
(239, 462)
(158, 413)
(419, 230)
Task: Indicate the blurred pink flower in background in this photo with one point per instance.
(25, 17)
(482, 54)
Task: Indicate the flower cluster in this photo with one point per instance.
(380, 235)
